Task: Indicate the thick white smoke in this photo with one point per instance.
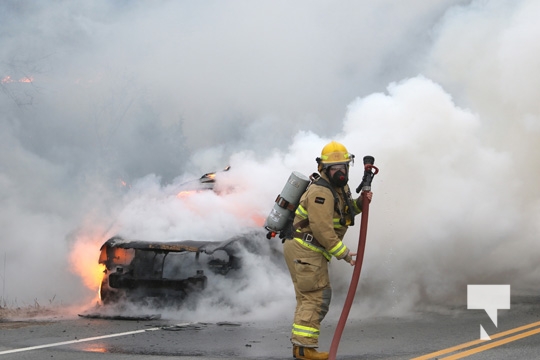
(128, 101)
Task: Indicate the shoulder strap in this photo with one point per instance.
(318, 180)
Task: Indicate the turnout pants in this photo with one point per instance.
(309, 274)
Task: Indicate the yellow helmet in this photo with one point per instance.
(334, 153)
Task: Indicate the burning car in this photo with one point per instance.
(162, 273)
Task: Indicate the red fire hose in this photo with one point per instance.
(359, 259)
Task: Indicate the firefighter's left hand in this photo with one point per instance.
(368, 195)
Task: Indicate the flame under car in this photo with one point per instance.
(162, 273)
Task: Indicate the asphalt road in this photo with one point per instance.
(450, 334)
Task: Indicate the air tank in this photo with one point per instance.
(287, 201)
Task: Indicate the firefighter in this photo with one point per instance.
(325, 212)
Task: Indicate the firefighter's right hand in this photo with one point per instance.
(352, 261)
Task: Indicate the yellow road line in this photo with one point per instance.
(476, 342)
(492, 345)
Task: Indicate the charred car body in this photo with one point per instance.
(163, 273)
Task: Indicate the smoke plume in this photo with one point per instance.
(110, 108)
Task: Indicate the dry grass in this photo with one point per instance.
(26, 313)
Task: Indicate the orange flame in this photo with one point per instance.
(185, 193)
(8, 80)
(84, 260)
(124, 184)
(258, 220)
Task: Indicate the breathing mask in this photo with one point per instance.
(340, 176)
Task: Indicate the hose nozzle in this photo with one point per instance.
(365, 185)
